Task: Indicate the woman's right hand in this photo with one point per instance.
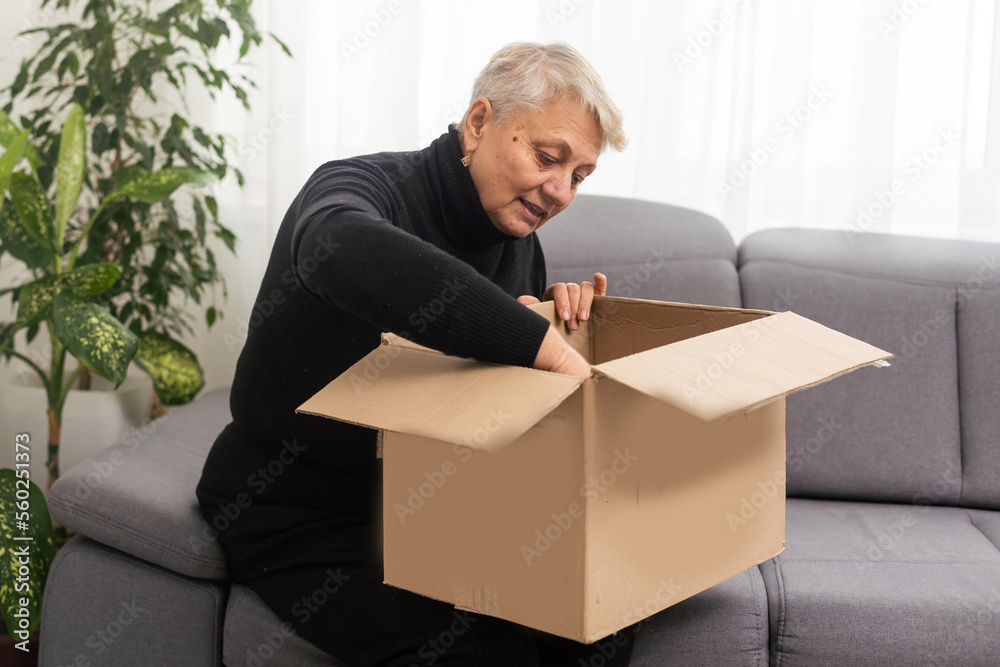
(557, 356)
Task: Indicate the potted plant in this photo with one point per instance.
(61, 298)
(87, 183)
(34, 230)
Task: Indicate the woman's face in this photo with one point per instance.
(528, 169)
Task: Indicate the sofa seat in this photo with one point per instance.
(254, 635)
(685, 634)
(103, 606)
(865, 583)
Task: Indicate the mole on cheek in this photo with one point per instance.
(515, 138)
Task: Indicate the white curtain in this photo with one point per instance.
(763, 113)
(861, 115)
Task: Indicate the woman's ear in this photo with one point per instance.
(479, 116)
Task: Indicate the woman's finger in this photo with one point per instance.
(527, 300)
(574, 292)
(600, 284)
(586, 299)
(560, 295)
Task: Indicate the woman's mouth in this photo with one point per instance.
(533, 212)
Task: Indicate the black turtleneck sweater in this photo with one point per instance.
(370, 244)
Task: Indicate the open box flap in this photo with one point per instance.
(406, 388)
(736, 368)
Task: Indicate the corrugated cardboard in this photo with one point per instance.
(579, 506)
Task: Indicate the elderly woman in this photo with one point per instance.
(366, 244)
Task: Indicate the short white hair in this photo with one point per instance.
(527, 75)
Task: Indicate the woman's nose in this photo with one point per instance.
(559, 189)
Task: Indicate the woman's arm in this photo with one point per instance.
(557, 356)
(348, 254)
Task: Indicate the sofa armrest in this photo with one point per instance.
(138, 496)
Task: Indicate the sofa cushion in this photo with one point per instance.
(724, 625)
(646, 249)
(907, 432)
(685, 634)
(979, 388)
(869, 583)
(255, 635)
(138, 496)
(104, 607)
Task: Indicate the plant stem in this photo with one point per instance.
(54, 390)
(53, 461)
(83, 235)
(55, 418)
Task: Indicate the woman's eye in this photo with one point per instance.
(577, 179)
(545, 158)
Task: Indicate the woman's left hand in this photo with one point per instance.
(573, 301)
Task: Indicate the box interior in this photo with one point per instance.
(619, 327)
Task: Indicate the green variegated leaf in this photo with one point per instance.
(8, 129)
(154, 187)
(34, 522)
(18, 242)
(32, 207)
(10, 158)
(93, 336)
(128, 174)
(35, 303)
(70, 169)
(9, 132)
(176, 374)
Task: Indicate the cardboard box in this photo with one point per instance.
(579, 506)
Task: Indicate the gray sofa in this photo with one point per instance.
(893, 516)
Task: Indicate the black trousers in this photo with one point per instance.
(349, 613)
(324, 577)
(320, 570)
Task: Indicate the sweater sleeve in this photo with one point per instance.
(347, 253)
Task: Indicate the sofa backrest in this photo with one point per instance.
(927, 429)
(646, 249)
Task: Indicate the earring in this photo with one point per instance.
(467, 160)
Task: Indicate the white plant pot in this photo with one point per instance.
(91, 420)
